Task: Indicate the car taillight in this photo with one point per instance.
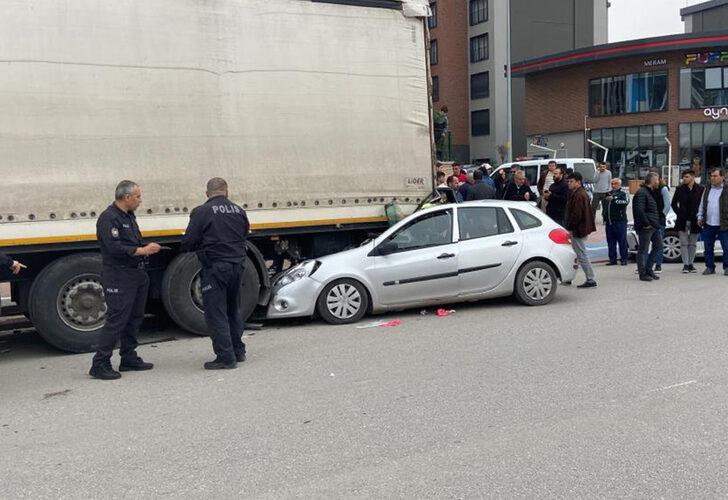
(560, 237)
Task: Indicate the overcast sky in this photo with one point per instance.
(630, 19)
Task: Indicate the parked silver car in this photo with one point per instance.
(670, 243)
(445, 254)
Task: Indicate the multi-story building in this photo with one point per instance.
(654, 102)
(469, 55)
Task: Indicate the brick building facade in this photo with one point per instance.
(630, 97)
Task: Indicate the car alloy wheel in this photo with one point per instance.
(671, 248)
(343, 301)
(537, 283)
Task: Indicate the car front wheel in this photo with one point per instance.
(535, 284)
(343, 301)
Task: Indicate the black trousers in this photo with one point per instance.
(221, 284)
(650, 244)
(125, 292)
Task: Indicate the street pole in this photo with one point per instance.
(509, 114)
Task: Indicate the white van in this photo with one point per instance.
(533, 169)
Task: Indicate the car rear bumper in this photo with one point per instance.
(563, 256)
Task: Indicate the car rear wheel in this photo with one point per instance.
(535, 284)
(671, 248)
(343, 301)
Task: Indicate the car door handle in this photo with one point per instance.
(446, 256)
(509, 243)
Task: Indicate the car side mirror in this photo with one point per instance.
(386, 248)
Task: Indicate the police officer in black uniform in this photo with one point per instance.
(125, 282)
(217, 233)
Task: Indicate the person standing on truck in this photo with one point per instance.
(217, 232)
(125, 282)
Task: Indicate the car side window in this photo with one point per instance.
(481, 222)
(531, 172)
(525, 220)
(430, 230)
(586, 170)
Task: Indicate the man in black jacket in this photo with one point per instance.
(647, 224)
(518, 189)
(480, 190)
(685, 204)
(556, 196)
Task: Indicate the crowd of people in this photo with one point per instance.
(701, 212)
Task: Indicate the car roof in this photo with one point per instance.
(546, 160)
(483, 203)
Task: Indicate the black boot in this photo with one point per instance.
(218, 364)
(134, 365)
(104, 372)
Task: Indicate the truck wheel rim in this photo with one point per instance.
(671, 247)
(196, 292)
(343, 301)
(81, 304)
(537, 283)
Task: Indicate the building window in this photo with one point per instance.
(478, 11)
(433, 52)
(703, 87)
(703, 145)
(480, 123)
(435, 89)
(632, 150)
(479, 85)
(634, 93)
(432, 20)
(479, 48)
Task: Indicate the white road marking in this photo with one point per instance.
(681, 384)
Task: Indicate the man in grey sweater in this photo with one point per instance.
(602, 186)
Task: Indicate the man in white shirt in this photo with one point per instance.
(713, 219)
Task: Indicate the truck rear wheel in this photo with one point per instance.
(182, 297)
(67, 302)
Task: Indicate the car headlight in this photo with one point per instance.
(296, 273)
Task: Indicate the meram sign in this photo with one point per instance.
(706, 57)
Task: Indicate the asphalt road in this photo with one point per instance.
(618, 391)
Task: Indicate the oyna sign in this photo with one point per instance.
(716, 113)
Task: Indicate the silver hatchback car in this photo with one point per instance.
(445, 254)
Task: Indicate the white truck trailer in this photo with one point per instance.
(315, 111)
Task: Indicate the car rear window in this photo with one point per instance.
(525, 220)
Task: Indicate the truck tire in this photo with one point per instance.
(67, 302)
(182, 297)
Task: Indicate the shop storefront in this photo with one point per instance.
(655, 102)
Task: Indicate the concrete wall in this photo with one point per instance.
(707, 20)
